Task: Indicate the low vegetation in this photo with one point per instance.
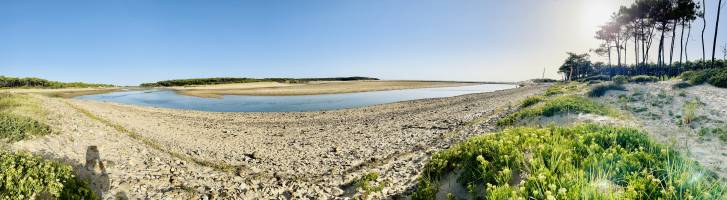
(366, 185)
(12, 82)
(13, 125)
(24, 176)
(579, 162)
(531, 100)
(227, 80)
(716, 77)
(643, 79)
(555, 106)
(600, 90)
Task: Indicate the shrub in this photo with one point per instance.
(544, 80)
(688, 75)
(600, 90)
(620, 79)
(643, 79)
(599, 78)
(681, 85)
(554, 90)
(719, 78)
(556, 106)
(580, 162)
(531, 100)
(701, 77)
(15, 128)
(24, 176)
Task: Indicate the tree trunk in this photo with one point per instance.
(716, 28)
(608, 45)
(681, 46)
(686, 43)
(618, 52)
(636, 49)
(673, 36)
(661, 47)
(704, 27)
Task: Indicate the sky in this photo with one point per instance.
(127, 42)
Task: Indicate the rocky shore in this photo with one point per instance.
(160, 153)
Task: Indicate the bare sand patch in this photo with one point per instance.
(312, 88)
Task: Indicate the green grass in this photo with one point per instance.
(24, 176)
(579, 162)
(531, 100)
(600, 90)
(555, 106)
(15, 121)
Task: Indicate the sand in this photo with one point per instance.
(160, 153)
(312, 88)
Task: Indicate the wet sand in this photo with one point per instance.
(312, 88)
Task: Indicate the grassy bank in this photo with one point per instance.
(228, 80)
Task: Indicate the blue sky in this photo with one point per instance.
(133, 41)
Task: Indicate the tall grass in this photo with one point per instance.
(579, 162)
(555, 106)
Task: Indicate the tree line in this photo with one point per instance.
(226, 80)
(639, 27)
(13, 82)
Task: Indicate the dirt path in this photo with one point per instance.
(164, 153)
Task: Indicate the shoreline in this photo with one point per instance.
(313, 88)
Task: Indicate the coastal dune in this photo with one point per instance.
(167, 153)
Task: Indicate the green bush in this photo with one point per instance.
(688, 75)
(681, 85)
(600, 90)
(580, 162)
(556, 106)
(643, 79)
(24, 176)
(700, 77)
(719, 78)
(599, 78)
(554, 90)
(544, 80)
(531, 100)
(620, 79)
(15, 128)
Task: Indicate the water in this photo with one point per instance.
(234, 103)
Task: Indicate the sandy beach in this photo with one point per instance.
(312, 88)
(165, 153)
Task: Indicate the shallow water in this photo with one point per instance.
(235, 103)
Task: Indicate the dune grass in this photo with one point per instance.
(579, 162)
(15, 121)
(558, 105)
(600, 90)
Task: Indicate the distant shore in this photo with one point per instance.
(311, 88)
